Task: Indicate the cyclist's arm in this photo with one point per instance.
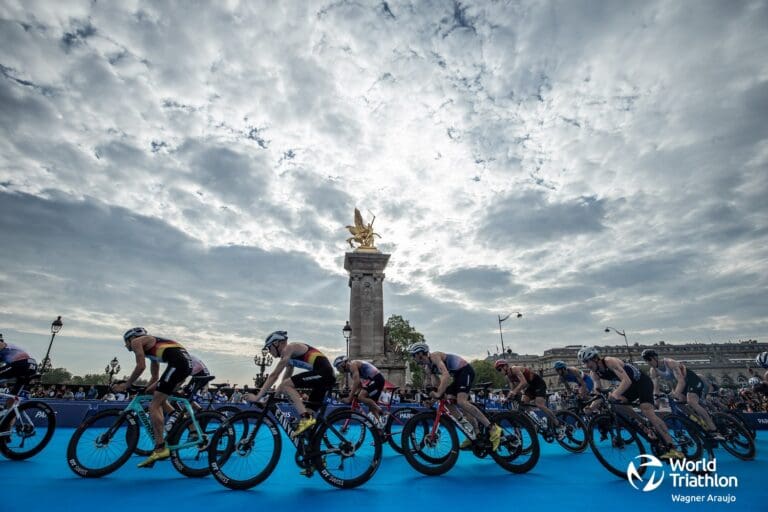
(521, 382)
(655, 378)
(618, 369)
(282, 364)
(141, 364)
(354, 370)
(677, 370)
(445, 377)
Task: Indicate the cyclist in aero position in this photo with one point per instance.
(762, 385)
(18, 364)
(533, 388)
(367, 394)
(320, 376)
(450, 365)
(179, 368)
(633, 385)
(686, 380)
(571, 374)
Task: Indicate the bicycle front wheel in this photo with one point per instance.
(25, 433)
(240, 455)
(686, 434)
(614, 444)
(191, 458)
(338, 453)
(519, 448)
(394, 428)
(102, 443)
(430, 451)
(737, 442)
(576, 439)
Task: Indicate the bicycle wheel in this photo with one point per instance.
(687, 435)
(614, 443)
(192, 461)
(736, 415)
(519, 448)
(394, 428)
(102, 443)
(337, 455)
(25, 433)
(737, 442)
(427, 452)
(241, 456)
(576, 439)
(146, 440)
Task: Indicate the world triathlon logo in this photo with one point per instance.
(650, 463)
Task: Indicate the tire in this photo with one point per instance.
(239, 457)
(744, 423)
(29, 432)
(338, 456)
(102, 443)
(519, 448)
(737, 442)
(428, 454)
(576, 439)
(395, 424)
(145, 443)
(192, 461)
(687, 435)
(614, 443)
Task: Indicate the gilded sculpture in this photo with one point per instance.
(362, 234)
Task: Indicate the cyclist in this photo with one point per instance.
(367, 394)
(533, 388)
(450, 365)
(17, 364)
(686, 380)
(572, 374)
(762, 362)
(320, 376)
(633, 385)
(157, 350)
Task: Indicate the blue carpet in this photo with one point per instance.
(560, 479)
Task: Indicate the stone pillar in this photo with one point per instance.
(366, 312)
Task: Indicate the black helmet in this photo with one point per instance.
(649, 354)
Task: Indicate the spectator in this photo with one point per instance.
(92, 394)
(121, 396)
(80, 395)
(205, 394)
(51, 392)
(236, 397)
(221, 397)
(109, 397)
(67, 394)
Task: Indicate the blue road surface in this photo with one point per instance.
(560, 480)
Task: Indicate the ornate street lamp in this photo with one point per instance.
(262, 362)
(347, 332)
(56, 326)
(112, 369)
(501, 335)
(621, 333)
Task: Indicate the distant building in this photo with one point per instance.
(724, 364)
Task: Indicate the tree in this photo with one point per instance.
(56, 376)
(401, 336)
(485, 372)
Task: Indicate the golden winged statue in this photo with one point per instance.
(362, 233)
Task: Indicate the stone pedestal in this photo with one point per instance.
(366, 313)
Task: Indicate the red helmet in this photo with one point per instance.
(500, 363)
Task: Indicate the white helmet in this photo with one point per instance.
(274, 338)
(762, 360)
(417, 348)
(339, 361)
(133, 333)
(587, 354)
(754, 381)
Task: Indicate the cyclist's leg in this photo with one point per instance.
(288, 386)
(460, 386)
(371, 393)
(695, 388)
(642, 390)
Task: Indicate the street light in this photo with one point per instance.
(112, 369)
(262, 362)
(347, 332)
(621, 333)
(517, 315)
(56, 326)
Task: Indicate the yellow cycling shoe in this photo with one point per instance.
(466, 444)
(672, 454)
(162, 453)
(495, 436)
(304, 424)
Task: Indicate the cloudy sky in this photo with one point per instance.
(190, 167)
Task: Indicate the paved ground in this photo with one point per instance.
(560, 480)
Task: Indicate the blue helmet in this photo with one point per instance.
(559, 365)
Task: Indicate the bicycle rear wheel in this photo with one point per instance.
(519, 448)
(576, 439)
(394, 428)
(25, 435)
(192, 461)
(102, 443)
(241, 456)
(614, 443)
(687, 435)
(430, 453)
(737, 442)
(338, 453)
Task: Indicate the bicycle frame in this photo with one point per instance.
(444, 409)
(136, 409)
(13, 408)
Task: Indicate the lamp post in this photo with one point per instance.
(501, 335)
(112, 369)
(347, 332)
(621, 333)
(262, 362)
(56, 326)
